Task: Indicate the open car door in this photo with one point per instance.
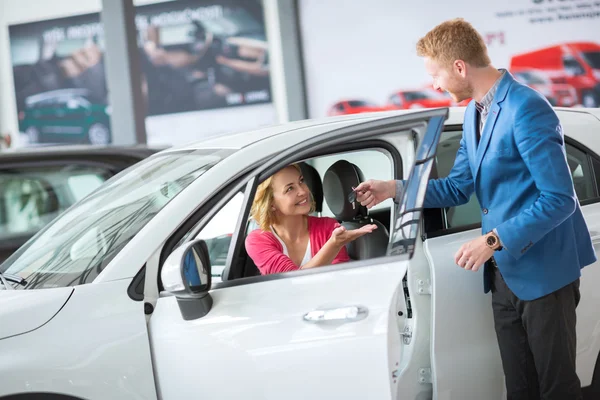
(415, 370)
(347, 331)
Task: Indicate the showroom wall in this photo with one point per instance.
(172, 122)
(365, 51)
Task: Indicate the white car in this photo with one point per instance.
(105, 305)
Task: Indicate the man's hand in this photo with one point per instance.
(372, 192)
(472, 255)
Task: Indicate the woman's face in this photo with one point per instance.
(290, 194)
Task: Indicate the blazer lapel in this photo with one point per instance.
(486, 135)
(472, 120)
(488, 128)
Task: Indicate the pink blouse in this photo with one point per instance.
(267, 252)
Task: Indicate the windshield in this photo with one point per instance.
(530, 78)
(77, 246)
(592, 58)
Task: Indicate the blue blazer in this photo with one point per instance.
(520, 175)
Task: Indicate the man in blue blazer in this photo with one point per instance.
(535, 240)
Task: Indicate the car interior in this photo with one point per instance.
(330, 181)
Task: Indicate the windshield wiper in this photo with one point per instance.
(5, 278)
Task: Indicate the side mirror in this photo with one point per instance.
(186, 274)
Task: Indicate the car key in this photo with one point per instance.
(352, 197)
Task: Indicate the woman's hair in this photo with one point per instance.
(261, 210)
(452, 40)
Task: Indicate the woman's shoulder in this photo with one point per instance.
(259, 241)
(260, 236)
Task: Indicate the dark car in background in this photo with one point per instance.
(37, 184)
(66, 116)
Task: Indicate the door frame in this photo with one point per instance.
(358, 134)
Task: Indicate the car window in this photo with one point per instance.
(572, 66)
(470, 213)
(592, 58)
(217, 234)
(81, 185)
(374, 164)
(360, 103)
(596, 167)
(32, 197)
(219, 230)
(75, 247)
(583, 180)
(412, 96)
(395, 99)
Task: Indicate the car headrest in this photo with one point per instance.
(338, 182)
(313, 181)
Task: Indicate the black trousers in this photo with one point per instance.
(537, 342)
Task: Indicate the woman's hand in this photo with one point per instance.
(341, 236)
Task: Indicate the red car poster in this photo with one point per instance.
(367, 60)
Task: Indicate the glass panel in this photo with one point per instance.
(372, 163)
(360, 103)
(408, 216)
(596, 165)
(76, 246)
(573, 67)
(581, 173)
(592, 58)
(409, 213)
(217, 234)
(466, 214)
(428, 145)
(82, 185)
(32, 197)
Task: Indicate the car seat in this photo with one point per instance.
(338, 182)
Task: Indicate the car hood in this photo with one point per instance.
(22, 311)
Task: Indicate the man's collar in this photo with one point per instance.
(486, 101)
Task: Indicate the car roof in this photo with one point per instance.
(584, 46)
(304, 127)
(55, 93)
(307, 127)
(41, 153)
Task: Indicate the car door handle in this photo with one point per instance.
(340, 314)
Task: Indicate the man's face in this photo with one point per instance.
(451, 79)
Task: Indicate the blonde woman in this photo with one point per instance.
(289, 238)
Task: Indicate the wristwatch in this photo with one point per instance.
(492, 241)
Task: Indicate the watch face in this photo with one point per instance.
(491, 240)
